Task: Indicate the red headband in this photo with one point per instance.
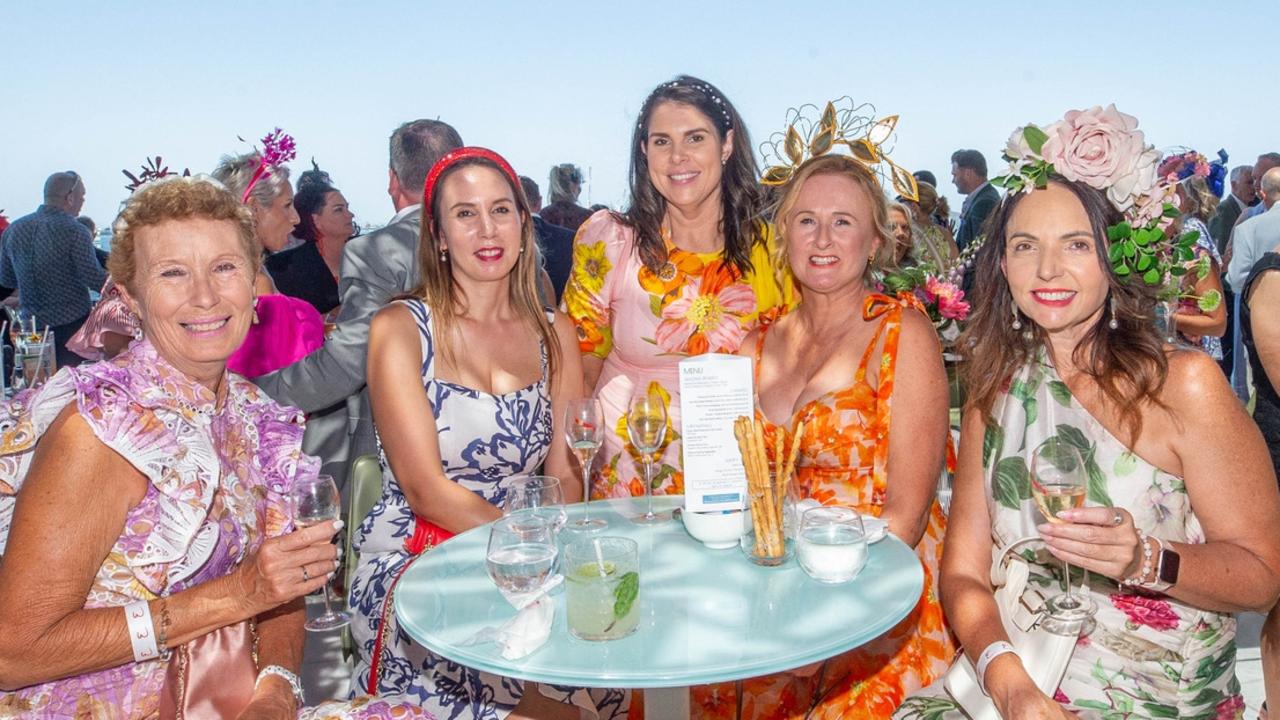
(453, 158)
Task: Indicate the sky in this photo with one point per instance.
(97, 87)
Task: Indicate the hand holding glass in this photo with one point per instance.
(584, 430)
(316, 500)
(646, 427)
(1059, 482)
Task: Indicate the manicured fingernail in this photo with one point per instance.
(338, 525)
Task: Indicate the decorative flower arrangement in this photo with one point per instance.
(938, 289)
(152, 169)
(1104, 149)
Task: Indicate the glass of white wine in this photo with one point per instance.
(646, 426)
(1059, 482)
(584, 431)
(316, 500)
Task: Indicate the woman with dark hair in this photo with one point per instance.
(685, 270)
(311, 270)
(1062, 358)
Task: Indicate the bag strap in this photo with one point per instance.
(1000, 555)
(416, 546)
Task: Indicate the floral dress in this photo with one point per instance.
(1149, 655)
(484, 439)
(1204, 248)
(642, 323)
(217, 484)
(843, 458)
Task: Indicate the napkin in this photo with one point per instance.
(530, 627)
(874, 527)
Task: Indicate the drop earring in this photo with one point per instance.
(1017, 321)
(1114, 323)
(444, 255)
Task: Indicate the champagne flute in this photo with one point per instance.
(1059, 482)
(316, 500)
(646, 426)
(584, 430)
(539, 495)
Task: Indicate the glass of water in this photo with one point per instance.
(522, 551)
(539, 495)
(832, 546)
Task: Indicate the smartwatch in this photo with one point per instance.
(1166, 570)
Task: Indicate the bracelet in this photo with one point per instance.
(162, 632)
(1140, 578)
(994, 650)
(285, 674)
(142, 632)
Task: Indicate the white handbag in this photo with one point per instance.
(1044, 654)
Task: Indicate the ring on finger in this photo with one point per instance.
(1118, 519)
(306, 576)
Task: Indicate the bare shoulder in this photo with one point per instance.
(1196, 388)
(566, 331)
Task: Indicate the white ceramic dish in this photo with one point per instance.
(716, 530)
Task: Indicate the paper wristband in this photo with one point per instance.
(142, 632)
(993, 651)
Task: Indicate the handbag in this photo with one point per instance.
(213, 675)
(1044, 654)
(426, 535)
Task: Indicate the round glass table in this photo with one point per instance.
(706, 615)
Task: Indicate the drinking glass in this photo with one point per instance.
(522, 551)
(646, 426)
(316, 500)
(539, 495)
(1059, 482)
(603, 578)
(832, 545)
(1166, 320)
(584, 430)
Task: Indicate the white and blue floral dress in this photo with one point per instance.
(484, 439)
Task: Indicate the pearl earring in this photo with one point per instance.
(1017, 321)
(1114, 323)
(444, 255)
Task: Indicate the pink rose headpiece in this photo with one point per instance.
(841, 124)
(1104, 149)
(277, 149)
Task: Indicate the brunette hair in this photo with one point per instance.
(741, 202)
(1128, 363)
(844, 166)
(443, 296)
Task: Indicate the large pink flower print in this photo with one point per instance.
(706, 315)
(1155, 614)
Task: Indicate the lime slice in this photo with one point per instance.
(592, 570)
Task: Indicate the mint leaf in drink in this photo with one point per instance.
(624, 596)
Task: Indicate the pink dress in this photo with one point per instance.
(109, 315)
(288, 329)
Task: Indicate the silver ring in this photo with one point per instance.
(1119, 518)
(306, 577)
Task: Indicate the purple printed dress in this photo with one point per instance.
(218, 479)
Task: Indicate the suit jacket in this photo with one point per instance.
(556, 245)
(1222, 220)
(974, 219)
(1252, 238)
(301, 272)
(330, 382)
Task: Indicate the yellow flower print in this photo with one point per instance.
(590, 266)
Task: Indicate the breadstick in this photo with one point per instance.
(791, 457)
(772, 545)
(744, 445)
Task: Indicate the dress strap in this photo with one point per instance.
(759, 354)
(422, 318)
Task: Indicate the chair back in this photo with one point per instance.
(364, 491)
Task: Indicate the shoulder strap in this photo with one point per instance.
(759, 353)
(422, 318)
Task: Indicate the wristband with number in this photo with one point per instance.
(142, 632)
(994, 650)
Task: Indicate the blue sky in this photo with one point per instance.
(96, 87)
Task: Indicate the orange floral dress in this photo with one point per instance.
(843, 457)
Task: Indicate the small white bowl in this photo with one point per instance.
(717, 530)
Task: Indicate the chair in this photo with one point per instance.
(364, 491)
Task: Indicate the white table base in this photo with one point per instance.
(672, 703)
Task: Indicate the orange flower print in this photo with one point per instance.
(680, 265)
(707, 315)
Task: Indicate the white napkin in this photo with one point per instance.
(530, 627)
(874, 527)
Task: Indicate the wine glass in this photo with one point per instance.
(521, 553)
(1059, 482)
(539, 495)
(316, 500)
(584, 430)
(646, 426)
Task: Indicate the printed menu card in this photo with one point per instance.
(715, 389)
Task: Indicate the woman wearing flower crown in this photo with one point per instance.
(872, 395)
(1201, 318)
(1062, 348)
(684, 271)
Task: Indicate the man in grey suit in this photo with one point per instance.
(328, 384)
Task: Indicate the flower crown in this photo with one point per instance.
(277, 149)
(1104, 149)
(1180, 166)
(152, 169)
(841, 123)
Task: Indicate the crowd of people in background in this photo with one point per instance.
(477, 312)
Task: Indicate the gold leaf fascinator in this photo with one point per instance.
(842, 126)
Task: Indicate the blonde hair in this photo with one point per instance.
(176, 198)
(845, 166)
(443, 296)
(1200, 200)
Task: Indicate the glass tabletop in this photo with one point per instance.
(706, 615)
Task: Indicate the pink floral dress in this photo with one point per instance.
(1149, 655)
(643, 323)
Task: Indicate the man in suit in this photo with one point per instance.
(1252, 238)
(1242, 196)
(1265, 162)
(969, 173)
(555, 243)
(375, 268)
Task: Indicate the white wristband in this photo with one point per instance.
(142, 632)
(993, 651)
(287, 675)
